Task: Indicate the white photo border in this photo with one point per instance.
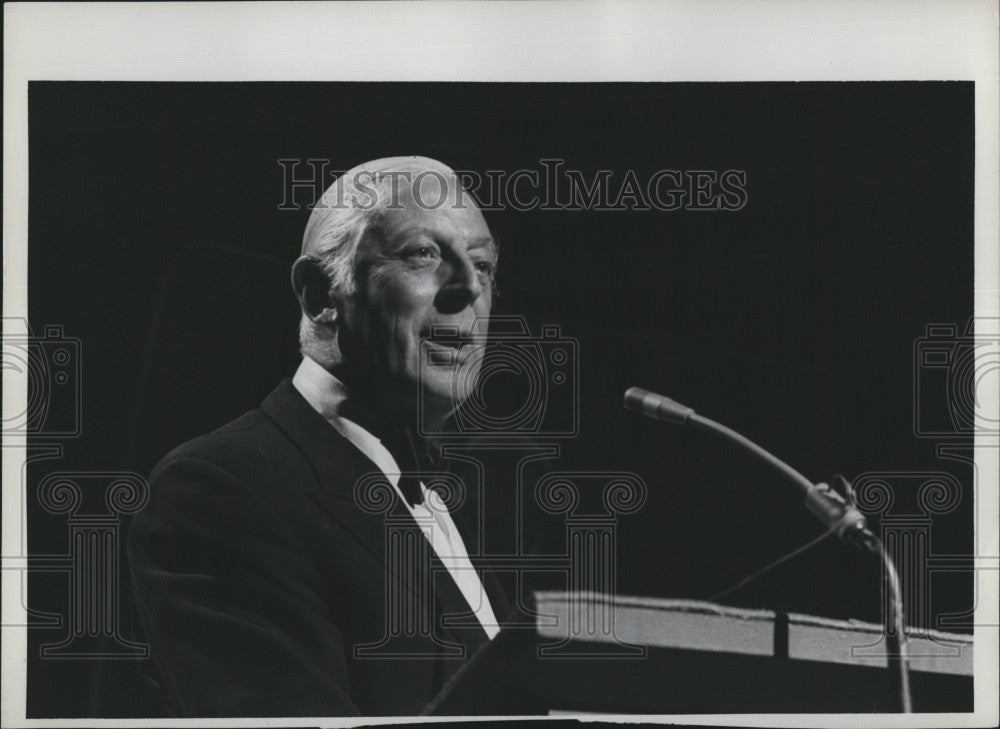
(678, 40)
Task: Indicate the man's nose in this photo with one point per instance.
(461, 288)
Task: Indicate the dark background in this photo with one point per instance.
(156, 239)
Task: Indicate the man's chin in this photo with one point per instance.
(438, 400)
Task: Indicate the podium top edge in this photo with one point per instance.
(655, 603)
(703, 607)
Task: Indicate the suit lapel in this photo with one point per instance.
(469, 519)
(349, 487)
(354, 492)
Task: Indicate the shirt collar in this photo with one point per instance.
(324, 392)
(334, 400)
(327, 395)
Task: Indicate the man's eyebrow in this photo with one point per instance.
(485, 241)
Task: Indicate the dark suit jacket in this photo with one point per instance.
(265, 589)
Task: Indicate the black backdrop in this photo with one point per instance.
(156, 238)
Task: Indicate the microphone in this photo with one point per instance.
(831, 508)
(657, 407)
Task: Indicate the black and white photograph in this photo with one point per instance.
(521, 359)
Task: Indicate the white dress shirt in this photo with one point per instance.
(325, 393)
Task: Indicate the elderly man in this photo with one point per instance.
(261, 570)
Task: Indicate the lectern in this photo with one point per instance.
(588, 652)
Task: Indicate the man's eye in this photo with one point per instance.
(422, 253)
(486, 267)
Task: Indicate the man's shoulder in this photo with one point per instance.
(237, 435)
(240, 447)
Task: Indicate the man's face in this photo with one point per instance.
(419, 271)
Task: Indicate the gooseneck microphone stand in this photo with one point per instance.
(837, 513)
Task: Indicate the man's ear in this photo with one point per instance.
(312, 289)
